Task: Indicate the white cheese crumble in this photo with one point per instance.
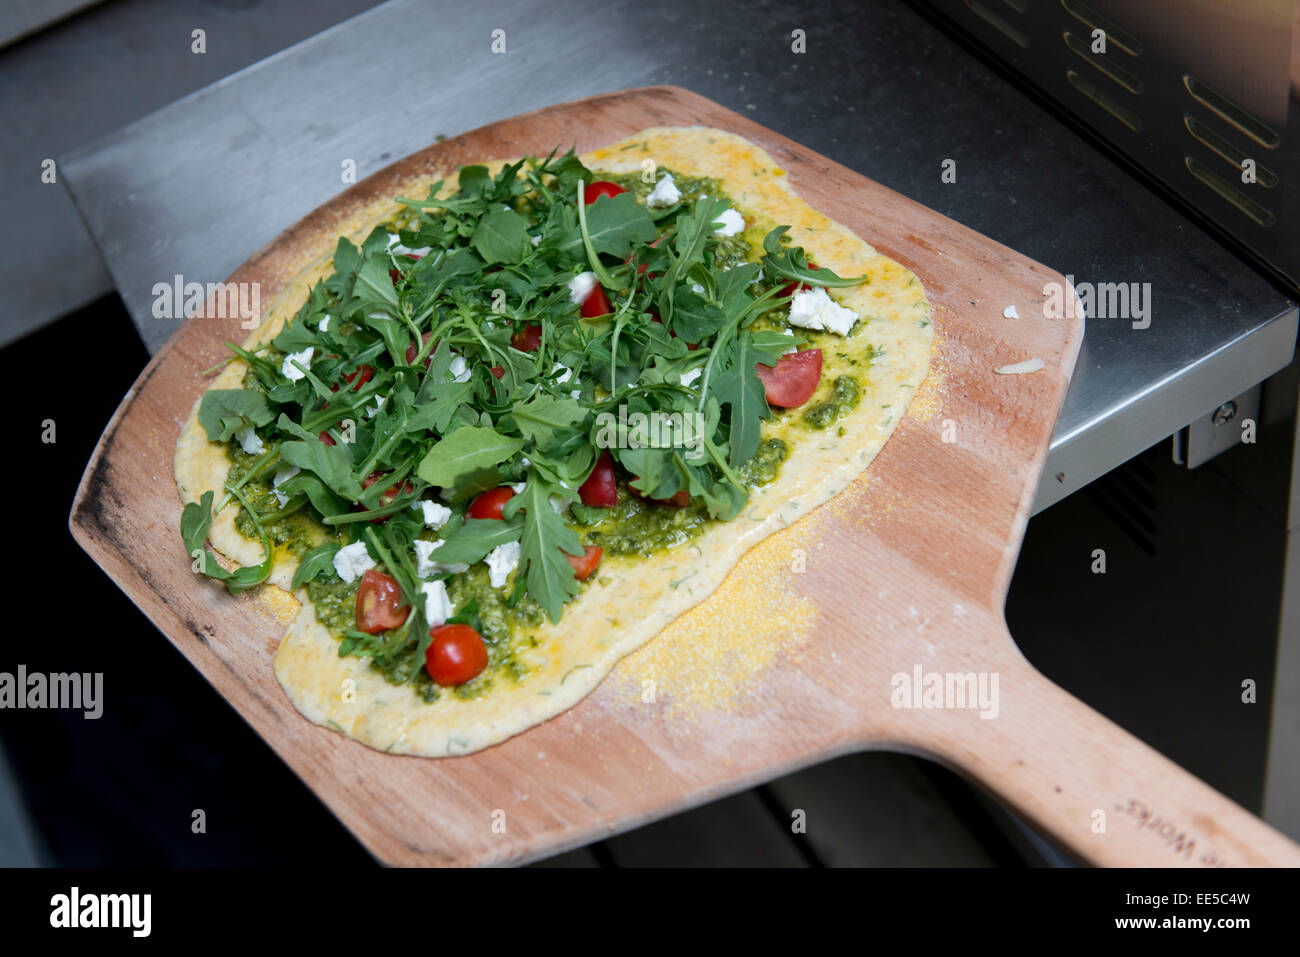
(535, 240)
(568, 373)
(373, 410)
(665, 192)
(291, 371)
(426, 567)
(324, 324)
(697, 289)
(437, 604)
(518, 487)
(559, 503)
(501, 561)
(1020, 368)
(1010, 312)
(732, 223)
(435, 515)
(459, 369)
(691, 376)
(282, 475)
(249, 440)
(352, 561)
(581, 285)
(814, 309)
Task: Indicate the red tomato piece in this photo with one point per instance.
(678, 499)
(793, 380)
(387, 497)
(456, 655)
(640, 270)
(596, 303)
(490, 503)
(397, 274)
(527, 339)
(790, 288)
(585, 564)
(498, 371)
(327, 438)
(412, 352)
(359, 377)
(601, 187)
(379, 603)
(601, 489)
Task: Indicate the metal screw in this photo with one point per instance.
(1224, 413)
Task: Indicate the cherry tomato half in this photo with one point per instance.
(600, 490)
(327, 438)
(585, 564)
(456, 654)
(527, 339)
(498, 371)
(596, 303)
(601, 187)
(490, 503)
(379, 603)
(793, 380)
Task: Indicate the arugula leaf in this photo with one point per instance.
(550, 578)
(614, 223)
(332, 464)
(543, 416)
(793, 264)
(501, 237)
(475, 538)
(464, 452)
(738, 386)
(224, 411)
(196, 520)
(317, 561)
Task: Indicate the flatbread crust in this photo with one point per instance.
(635, 598)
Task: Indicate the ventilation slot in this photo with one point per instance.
(1123, 77)
(1263, 175)
(1105, 101)
(1229, 192)
(1217, 103)
(1114, 32)
(997, 23)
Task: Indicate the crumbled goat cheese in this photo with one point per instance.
(291, 371)
(665, 192)
(501, 561)
(814, 309)
(352, 561)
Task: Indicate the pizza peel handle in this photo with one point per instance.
(1108, 797)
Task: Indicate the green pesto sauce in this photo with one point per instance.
(296, 532)
(845, 393)
(637, 526)
(335, 602)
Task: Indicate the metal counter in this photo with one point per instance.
(197, 186)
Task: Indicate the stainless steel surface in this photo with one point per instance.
(198, 186)
(1197, 92)
(1227, 426)
(85, 77)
